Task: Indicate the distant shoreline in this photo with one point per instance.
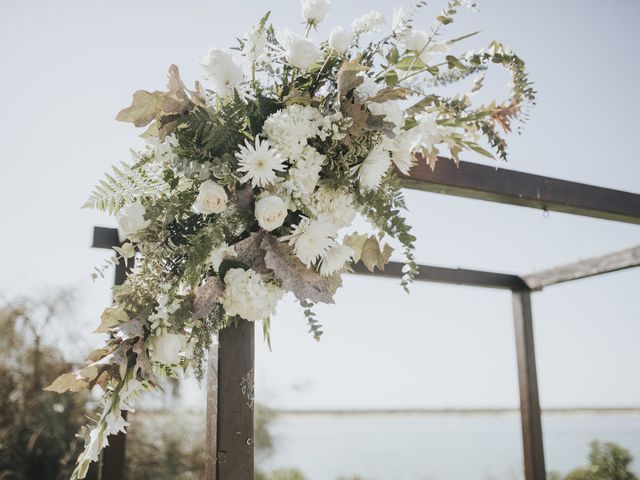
(455, 411)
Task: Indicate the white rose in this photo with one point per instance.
(131, 220)
(315, 11)
(339, 40)
(211, 198)
(270, 212)
(167, 348)
(300, 52)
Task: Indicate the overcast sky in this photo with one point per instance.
(69, 66)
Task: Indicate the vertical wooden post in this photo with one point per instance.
(211, 452)
(235, 402)
(532, 441)
(111, 463)
(112, 458)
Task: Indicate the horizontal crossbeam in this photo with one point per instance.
(456, 276)
(612, 262)
(483, 182)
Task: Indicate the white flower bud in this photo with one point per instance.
(167, 348)
(340, 40)
(131, 220)
(300, 52)
(315, 11)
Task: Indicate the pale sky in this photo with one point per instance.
(69, 66)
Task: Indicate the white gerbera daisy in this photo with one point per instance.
(259, 163)
(311, 239)
(334, 259)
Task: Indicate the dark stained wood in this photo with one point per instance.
(532, 440)
(483, 182)
(457, 276)
(211, 449)
(112, 459)
(235, 402)
(586, 268)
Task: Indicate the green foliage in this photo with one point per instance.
(314, 325)
(123, 185)
(37, 428)
(607, 461)
(281, 474)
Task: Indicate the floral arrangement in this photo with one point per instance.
(249, 181)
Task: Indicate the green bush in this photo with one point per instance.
(607, 461)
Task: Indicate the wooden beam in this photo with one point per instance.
(211, 441)
(483, 182)
(586, 268)
(235, 402)
(532, 441)
(456, 276)
(111, 464)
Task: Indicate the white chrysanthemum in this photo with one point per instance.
(336, 206)
(340, 40)
(255, 45)
(311, 239)
(370, 22)
(222, 70)
(334, 259)
(299, 51)
(401, 149)
(248, 295)
(260, 163)
(305, 174)
(221, 253)
(373, 169)
(315, 11)
(289, 129)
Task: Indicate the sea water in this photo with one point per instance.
(438, 446)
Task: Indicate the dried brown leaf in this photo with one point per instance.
(295, 276)
(207, 296)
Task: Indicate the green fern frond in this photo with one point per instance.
(123, 185)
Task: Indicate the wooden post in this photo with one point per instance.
(532, 441)
(235, 402)
(112, 458)
(211, 453)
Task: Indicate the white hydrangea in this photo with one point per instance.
(248, 295)
(334, 205)
(305, 174)
(311, 239)
(370, 22)
(223, 72)
(289, 129)
(334, 259)
(373, 169)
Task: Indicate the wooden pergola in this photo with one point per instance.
(229, 415)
